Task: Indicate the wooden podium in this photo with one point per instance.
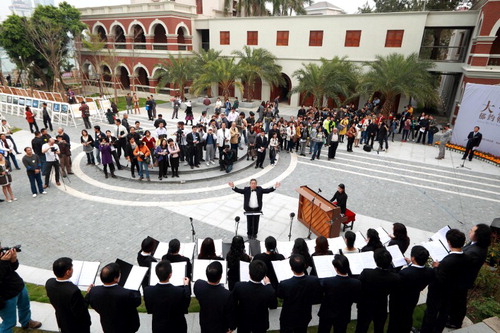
(324, 216)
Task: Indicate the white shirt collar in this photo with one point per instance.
(164, 283)
(110, 285)
(67, 280)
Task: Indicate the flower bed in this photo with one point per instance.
(486, 157)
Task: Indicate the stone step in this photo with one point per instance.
(186, 174)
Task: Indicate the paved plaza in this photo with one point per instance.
(97, 219)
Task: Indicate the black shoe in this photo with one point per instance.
(256, 166)
(106, 176)
(113, 175)
(160, 178)
(261, 167)
(133, 176)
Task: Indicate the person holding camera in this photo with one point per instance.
(33, 169)
(143, 155)
(13, 294)
(107, 158)
(51, 151)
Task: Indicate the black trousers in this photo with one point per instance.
(332, 150)
(400, 317)
(253, 225)
(120, 145)
(111, 168)
(458, 308)
(35, 125)
(221, 162)
(193, 155)
(350, 141)
(47, 122)
(116, 158)
(260, 158)
(326, 324)
(48, 170)
(468, 152)
(87, 123)
(134, 164)
(163, 164)
(366, 315)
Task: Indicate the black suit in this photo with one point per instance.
(117, 308)
(403, 301)
(476, 256)
(168, 304)
(214, 307)
(72, 313)
(145, 261)
(339, 295)
(268, 259)
(179, 258)
(298, 294)
(193, 147)
(446, 292)
(376, 284)
(261, 142)
(253, 220)
(250, 301)
(473, 140)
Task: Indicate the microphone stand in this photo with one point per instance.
(292, 215)
(237, 221)
(193, 233)
(310, 220)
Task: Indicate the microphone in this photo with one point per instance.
(292, 214)
(319, 190)
(237, 219)
(190, 219)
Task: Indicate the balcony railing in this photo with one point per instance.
(155, 46)
(494, 60)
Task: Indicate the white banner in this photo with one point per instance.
(480, 107)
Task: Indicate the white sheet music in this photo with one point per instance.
(360, 241)
(187, 250)
(284, 248)
(335, 244)
(161, 250)
(436, 249)
(282, 269)
(135, 277)
(384, 237)
(398, 260)
(311, 244)
(324, 267)
(360, 261)
(84, 272)
(217, 243)
(200, 267)
(244, 271)
(178, 274)
(441, 235)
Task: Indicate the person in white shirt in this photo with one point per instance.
(223, 137)
(232, 116)
(161, 132)
(6, 147)
(274, 148)
(51, 151)
(6, 129)
(218, 105)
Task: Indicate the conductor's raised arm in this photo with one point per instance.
(235, 189)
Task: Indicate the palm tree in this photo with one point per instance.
(336, 78)
(396, 74)
(223, 71)
(256, 63)
(202, 58)
(177, 70)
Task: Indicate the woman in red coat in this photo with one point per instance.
(30, 117)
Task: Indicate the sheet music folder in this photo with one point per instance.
(84, 272)
(178, 273)
(131, 275)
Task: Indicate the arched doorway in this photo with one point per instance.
(306, 100)
(256, 90)
(101, 33)
(139, 38)
(282, 91)
(106, 75)
(495, 50)
(124, 77)
(119, 37)
(181, 39)
(160, 37)
(142, 79)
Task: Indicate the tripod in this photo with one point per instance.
(463, 165)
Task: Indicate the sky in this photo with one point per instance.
(350, 6)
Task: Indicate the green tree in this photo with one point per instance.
(95, 45)
(365, 9)
(20, 50)
(223, 71)
(258, 62)
(336, 78)
(202, 58)
(396, 74)
(177, 70)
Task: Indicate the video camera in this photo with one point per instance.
(3, 250)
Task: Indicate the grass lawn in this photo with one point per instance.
(142, 102)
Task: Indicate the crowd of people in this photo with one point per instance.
(244, 305)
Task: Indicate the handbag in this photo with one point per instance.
(147, 160)
(340, 127)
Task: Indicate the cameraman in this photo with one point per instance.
(51, 151)
(13, 294)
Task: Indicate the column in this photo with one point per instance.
(152, 85)
(129, 40)
(266, 91)
(172, 43)
(149, 42)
